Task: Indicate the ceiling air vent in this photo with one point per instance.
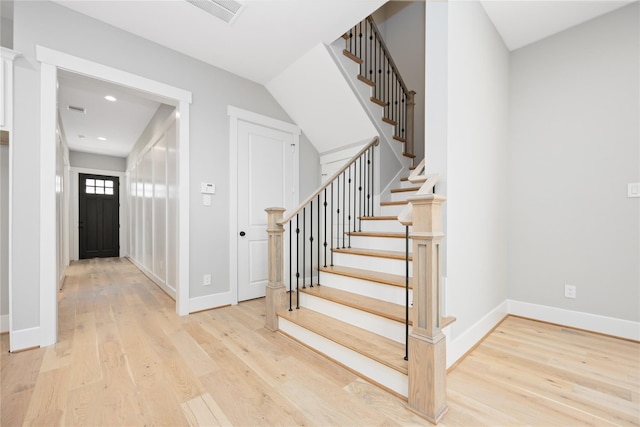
(227, 10)
(76, 109)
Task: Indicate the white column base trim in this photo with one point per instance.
(210, 301)
(4, 323)
(458, 347)
(591, 322)
(25, 338)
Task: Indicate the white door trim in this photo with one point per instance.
(50, 61)
(236, 114)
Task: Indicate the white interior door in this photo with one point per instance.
(265, 179)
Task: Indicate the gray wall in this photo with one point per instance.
(574, 146)
(56, 27)
(79, 159)
(402, 24)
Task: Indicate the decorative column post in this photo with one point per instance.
(411, 103)
(427, 344)
(276, 290)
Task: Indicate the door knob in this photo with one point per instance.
(242, 234)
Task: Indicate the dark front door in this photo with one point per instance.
(99, 222)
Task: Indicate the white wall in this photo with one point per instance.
(79, 159)
(574, 146)
(53, 26)
(476, 174)
(62, 208)
(151, 197)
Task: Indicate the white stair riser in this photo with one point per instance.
(369, 368)
(383, 225)
(391, 210)
(402, 195)
(407, 184)
(384, 265)
(394, 294)
(380, 243)
(379, 325)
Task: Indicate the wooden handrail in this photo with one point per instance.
(374, 142)
(387, 52)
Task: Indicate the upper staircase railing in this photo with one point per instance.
(364, 44)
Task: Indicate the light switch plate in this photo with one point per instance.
(206, 200)
(633, 190)
(207, 188)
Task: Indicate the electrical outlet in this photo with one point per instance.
(206, 280)
(569, 291)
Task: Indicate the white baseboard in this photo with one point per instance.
(4, 323)
(459, 346)
(210, 301)
(576, 319)
(155, 279)
(24, 338)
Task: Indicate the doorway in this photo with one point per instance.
(99, 218)
(266, 154)
(51, 62)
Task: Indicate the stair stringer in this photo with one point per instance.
(350, 71)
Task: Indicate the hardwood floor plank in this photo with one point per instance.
(125, 358)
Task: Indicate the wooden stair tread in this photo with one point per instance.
(412, 167)
(389, 121)
(363, 79)
(399, 139)
(446, 321)
(409, 155)
(372, 276)
(404, 190)
(374, 253)
(373, 346)
(375, 306)
(378, 218)
(394, 203)
(388, 234)
(351, 56)
(377, 101)
(406, 178)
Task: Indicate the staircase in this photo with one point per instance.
(357, 315)
(347, 290)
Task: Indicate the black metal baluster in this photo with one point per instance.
(325, 226)
(297, 261)
(304, 248)
(360, 197)
(332, 220)
(311, 247)
(318, 256)
(290, 265)
(366, 183)
(406, 323)
(344, 204)
(373, 188)
(349, 212)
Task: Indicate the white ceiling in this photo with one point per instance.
(121, 122)
(263, 41)
(522, 22)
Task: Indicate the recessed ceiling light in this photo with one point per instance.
(102, 138)
(110, 98)
(81, 136)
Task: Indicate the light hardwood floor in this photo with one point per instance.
(125, 358)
